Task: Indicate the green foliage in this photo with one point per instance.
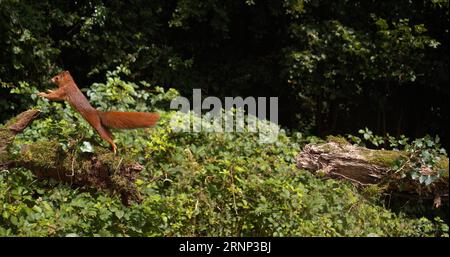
(417, 164)
(425, 160)
(193, 184)
(330, 62)
(337, 66)
(338, 61)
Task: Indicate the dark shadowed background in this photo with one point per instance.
(337, 66)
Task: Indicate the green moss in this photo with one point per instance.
(43, 153)
(10, 122)
(338, 139)
(113, 161)
(384, 158)
(442, 164)
(373, 192)
(5, 135)
(109, 159)
(98, 150)
(392, 158)
(121, 183)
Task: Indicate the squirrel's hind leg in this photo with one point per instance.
(106, 135)
(103, 132)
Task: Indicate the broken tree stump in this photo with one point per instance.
(46, 159)
(363, 167)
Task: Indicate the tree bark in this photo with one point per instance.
(363, 167)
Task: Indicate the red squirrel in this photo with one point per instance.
(100, 121)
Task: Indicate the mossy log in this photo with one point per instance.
(46, 159)
(364, 167)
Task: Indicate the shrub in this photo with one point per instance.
(194, 184)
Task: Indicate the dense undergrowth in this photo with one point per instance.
(193, 184)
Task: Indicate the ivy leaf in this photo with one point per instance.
(422, 179)
(119, 214)
(429, 180)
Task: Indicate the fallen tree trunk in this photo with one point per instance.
(99, 170)
(363, 167)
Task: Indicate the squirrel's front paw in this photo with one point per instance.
(42, 94)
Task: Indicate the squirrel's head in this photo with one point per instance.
(61, 77)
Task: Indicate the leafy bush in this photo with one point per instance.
(422, 160)
(425, 159)
(337, 65)
(194, 184)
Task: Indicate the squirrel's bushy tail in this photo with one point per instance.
(128, 120)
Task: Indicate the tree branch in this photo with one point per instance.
(46, 159)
